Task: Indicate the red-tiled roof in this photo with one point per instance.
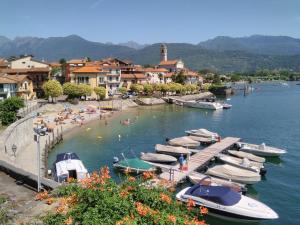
(12, 79)
(88, 69)
(168, 62)
(133, 76)
(29, 70)
(156, 70)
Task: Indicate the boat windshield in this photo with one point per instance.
(217, 194)
(65, 156)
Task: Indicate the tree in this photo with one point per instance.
(235, 77)
(9, 108)
(136, 88)
(53, 89)
(148, 89)
(100, 92)
(84, 90)
(164, 88)
(179, 78)
(216, 79)
(123, 90)
(71, 89)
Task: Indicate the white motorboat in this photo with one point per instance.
(68, 165)
(184, 142)
(171, 150)
(202, 140)
(225, 202)
(199, 178)
(157, 158)
(243, 163)
(235, 174)
(202, 133)
(203, 104)
(226, 106)
(133, 165)
(249, 156)
(260, 150)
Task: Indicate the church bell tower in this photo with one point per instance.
(163, 53)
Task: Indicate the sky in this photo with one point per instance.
(149, 21)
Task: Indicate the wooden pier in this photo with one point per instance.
(198, 160)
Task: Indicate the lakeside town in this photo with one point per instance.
(94, 90)
(149, 112)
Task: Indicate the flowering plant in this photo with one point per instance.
(99, 200)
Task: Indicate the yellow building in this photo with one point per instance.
(16, 85)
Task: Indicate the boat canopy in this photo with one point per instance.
(217, 194)
(135, 163)
(65, 156)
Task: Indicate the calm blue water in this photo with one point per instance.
(271, 114)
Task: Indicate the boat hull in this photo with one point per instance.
(237, 212)
(203, 105)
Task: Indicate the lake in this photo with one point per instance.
(270, 114)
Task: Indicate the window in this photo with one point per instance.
(101, 80)
(83, 80)
(25, 86)
(110, 78)
(117, 78)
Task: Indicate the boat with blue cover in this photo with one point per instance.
(225, 202)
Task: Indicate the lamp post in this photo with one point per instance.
(37, 140)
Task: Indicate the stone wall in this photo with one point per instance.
(19, 134)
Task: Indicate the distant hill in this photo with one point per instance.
(258, 44)
(224, 54)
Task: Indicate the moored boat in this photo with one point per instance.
(184, 142)
(242, 163)
(202, 133)
(260, 150)
(202, 140)
(234, 174)
(249, 156)
(223, 201)
(203, 104)
(171, 150)
(68, 165)
(134, 165)
(158, 158)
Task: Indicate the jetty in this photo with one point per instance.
(198, 160)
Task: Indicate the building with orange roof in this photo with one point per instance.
(71, 65)
(132, 78)
(37, 71)
(16, 85)
(106, 76)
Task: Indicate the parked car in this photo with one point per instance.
(129, 95)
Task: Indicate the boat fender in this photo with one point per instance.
(115, 160)
(263, 171)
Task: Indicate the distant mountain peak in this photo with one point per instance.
(133, 44)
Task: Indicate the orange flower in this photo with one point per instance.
(131, 179)
(191, 203)
(42, 196)
(148, 175)
(124, 194)
(144, 210)
(69, 221)
(49, 201)
(171, 218)
(203, 210)
(71, 180)
(165, 198)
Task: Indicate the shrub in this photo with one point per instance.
(99, 200)
(9, 108)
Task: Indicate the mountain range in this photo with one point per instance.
(224, 54)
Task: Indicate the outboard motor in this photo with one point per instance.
(115, 160)
(263, 171)
(167, 139)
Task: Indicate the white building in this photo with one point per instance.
(27, 62)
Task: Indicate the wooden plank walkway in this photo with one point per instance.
(200, 159)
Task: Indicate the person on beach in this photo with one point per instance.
(181, 161)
